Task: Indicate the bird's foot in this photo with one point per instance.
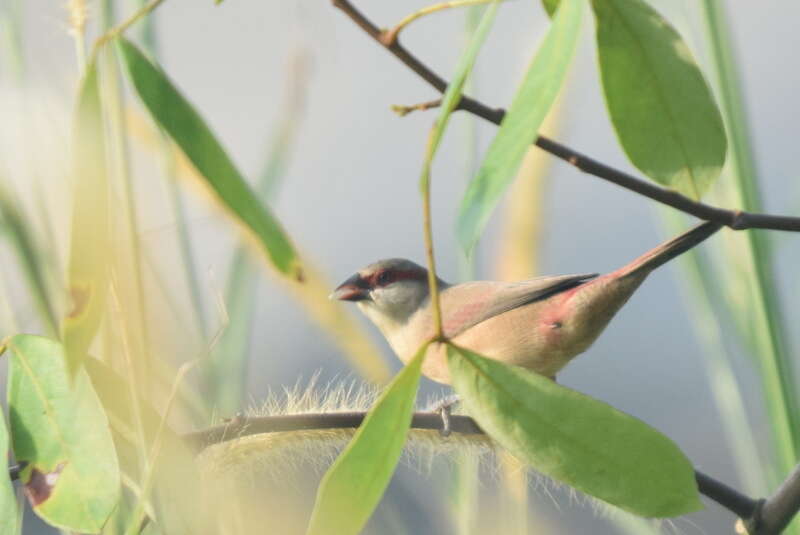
(237, 419)
(444, 407)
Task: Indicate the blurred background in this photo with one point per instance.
(299, 95)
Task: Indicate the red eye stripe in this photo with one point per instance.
(388, 276)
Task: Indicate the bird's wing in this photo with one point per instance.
(466, 305)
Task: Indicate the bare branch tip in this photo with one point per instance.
(400, 110)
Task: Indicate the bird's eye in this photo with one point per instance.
(384, 278)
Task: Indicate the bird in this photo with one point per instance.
(540, 324)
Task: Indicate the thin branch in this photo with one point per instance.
(731, 499)
(246, 426)
(778, 510)
(735, 219)
(762, 517)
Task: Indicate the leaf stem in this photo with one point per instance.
(452, 95)
(389, 37)
(127, 23)
(433, 282)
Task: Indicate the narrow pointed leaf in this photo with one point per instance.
(521, 123)
(574, 438)
(87, 272)
(59, 429)
(9, 510)
(550, 7)
(190, 132)
(32, 264)
(355, 483)
(661, 107)
(465, 63)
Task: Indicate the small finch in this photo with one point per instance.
(540, 324)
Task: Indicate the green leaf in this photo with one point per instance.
(59, 428)
(452, 95)
(9, 510)
(521, 123)
(574, 438)
(355, 483)
(188, 129)
(87, 272)
(660, 105)
(550, 6)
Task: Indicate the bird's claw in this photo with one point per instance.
(445, 414)
(237, 419)
(444, 408)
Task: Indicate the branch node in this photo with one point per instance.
(738, 220)
(388, 38)
(754, 524)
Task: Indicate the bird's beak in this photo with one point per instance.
(353, 289)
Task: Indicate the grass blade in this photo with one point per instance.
(574, 438)
(521, 123)
(702, 291)
(226, 370)
(87, 271)
(185, 126)
(353, 486)
(32, 265)
(760, 320)
(11, 39)
(660, 105)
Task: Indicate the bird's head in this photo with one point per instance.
(389, 291)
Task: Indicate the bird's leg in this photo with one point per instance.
(237, 418)
(444, 407)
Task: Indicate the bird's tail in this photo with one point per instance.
(669, 250)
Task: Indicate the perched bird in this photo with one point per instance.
(540, 324)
